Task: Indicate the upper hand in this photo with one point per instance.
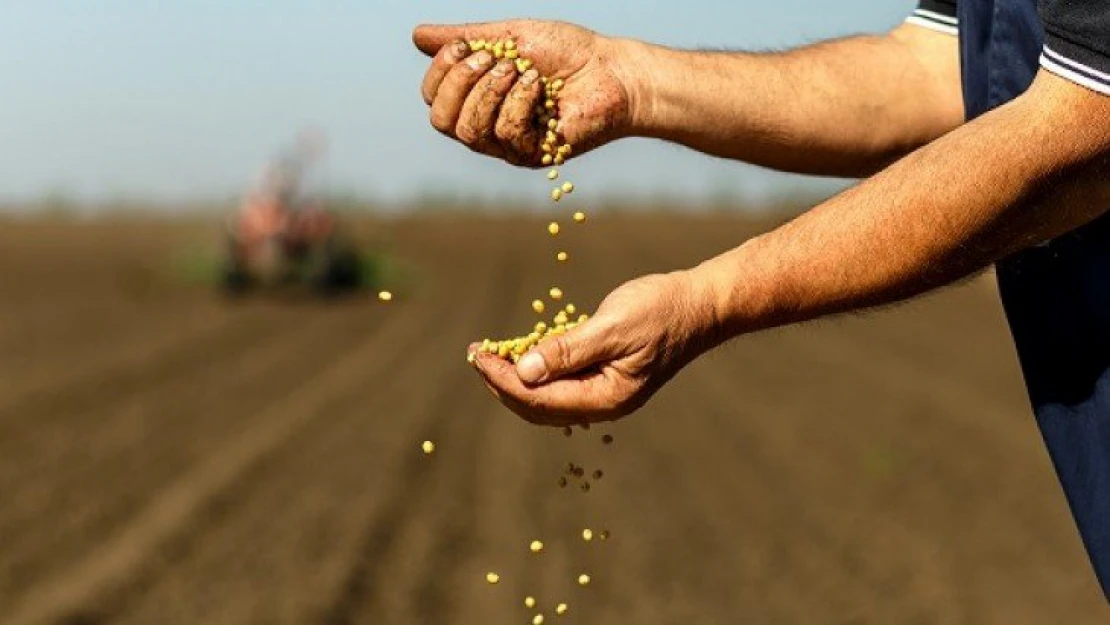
(643, 333)
(488, 106)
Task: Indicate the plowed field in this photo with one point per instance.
(168, 457)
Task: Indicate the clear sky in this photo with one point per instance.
(185, 100)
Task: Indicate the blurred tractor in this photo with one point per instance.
(281, 238)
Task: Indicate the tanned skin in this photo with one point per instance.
(944, 199)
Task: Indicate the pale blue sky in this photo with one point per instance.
(182, 100)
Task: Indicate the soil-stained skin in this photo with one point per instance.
(168, 458)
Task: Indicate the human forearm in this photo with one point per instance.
(1016, 177)
(846, 107)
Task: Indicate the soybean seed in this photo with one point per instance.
(547, 159)
(567, 431)
(429, 447)
(607, 439)
(561, 257)
(553, 174)
(385, 296)
(583, 579)
(568, 187)
(553, 228)
(556, 194)
(598, 474)
(537, 305)
(529, 602)
(536, 546)
(537, 619)
(580, 216)
(587, 534)
(561, 609)
(604, 535)
(493, 578)
(570, 309)
(559, 159)
(556, 293)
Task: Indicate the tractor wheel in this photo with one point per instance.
(337, 268)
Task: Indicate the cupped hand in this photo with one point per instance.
(488, 105)
(643, 333)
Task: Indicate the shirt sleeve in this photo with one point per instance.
(1077, 41)
(938, 15)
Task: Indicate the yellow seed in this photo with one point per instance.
(570, 309)
(510, 44)
(527, 64)
(560, 318)
(429, 447)
(541, 326)
(503, 349)
(557, 84)
(529, 602)
(547, 160)
(561, 257)
(549, 104)
(583, 318)
(565, 149)
(583, 579)
(536, 546)
(546, 147)
(385, 296)
(512, 54)
(537, 305)
(580, 216)
(556, 293)
(568, 187)
(551, 137)
(488, 46)
(493, 578)
(561, 609)
(553, 174)
(553, 228)
(556, 194)
(559, 159)
(587, 534)
(537, 619)
(552, 124)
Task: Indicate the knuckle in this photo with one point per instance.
(440, 121)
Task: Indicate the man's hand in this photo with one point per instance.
(488, 106)
(641, 336)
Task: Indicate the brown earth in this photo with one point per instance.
(167, 457)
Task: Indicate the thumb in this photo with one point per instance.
(564, 354)
(429, 38)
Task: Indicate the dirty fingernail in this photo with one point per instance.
(459, 49)
(480, 59)
(502, 68)
(529, 77)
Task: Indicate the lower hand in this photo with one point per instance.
(643, 333)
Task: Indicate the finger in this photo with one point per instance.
(454, 89)
(429, 38)
(589, 397)
(565, 354)
(447, 57)
(479, 112)
(515, 130)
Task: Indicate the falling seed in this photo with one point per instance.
(493, 578)
(587, 534)
(385, 296)
(561, 609)
(567, 188)
(598, 474)
(556, 194)
(553, 228)
(607, 439)
(429, 447)
(554, 173)
(562, 482)
(585, 487)
(556, 293)
(537, 305)
(561, 257)
(604, 535)
(537, 619)
(579, 216)
(567, 431)
(529, 602)
(583, 579)
(536, 546)
(570, 467)
(585, 426)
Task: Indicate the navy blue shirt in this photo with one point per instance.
(1056, 296)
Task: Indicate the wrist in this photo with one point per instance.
(635, 65)
(736, 294)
